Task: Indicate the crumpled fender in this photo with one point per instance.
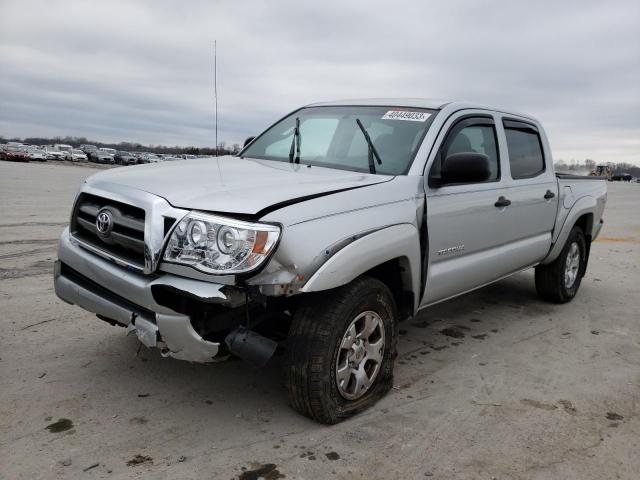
(395, 241)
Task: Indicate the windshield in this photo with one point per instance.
(330, 137)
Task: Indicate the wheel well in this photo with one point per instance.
(395, 274)
(585, 222)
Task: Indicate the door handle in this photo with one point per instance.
(502, 202)
(549, 195)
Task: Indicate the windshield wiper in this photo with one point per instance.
(295, 143)
(372, 150)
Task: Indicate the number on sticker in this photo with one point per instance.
(406, 115)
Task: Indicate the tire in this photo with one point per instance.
(317, 343)
(553, 282)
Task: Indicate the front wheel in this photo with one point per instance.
(559, 281)
(340, 352)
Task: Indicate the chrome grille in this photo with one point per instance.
(125, 240)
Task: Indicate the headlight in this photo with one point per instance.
(214, 244)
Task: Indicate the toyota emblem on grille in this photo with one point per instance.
(104, 223)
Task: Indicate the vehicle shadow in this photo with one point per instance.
(478, 315)
(516, 292)
(132, 396)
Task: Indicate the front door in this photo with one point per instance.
(466, 224)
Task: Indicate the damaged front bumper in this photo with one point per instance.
(135, 301)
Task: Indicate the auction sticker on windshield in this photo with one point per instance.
(406, 115)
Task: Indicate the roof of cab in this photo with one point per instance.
(395, 102)
(436, 104)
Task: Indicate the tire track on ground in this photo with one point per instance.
(34, 251)
(28, 242)
(44, 267)
(33, 224)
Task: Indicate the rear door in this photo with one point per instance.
(532, 189)
(465, 228)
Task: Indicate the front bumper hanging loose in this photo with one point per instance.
(126, 298)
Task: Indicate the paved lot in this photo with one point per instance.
(528, 390)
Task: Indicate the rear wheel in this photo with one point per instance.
(341, 349)
(559, 281)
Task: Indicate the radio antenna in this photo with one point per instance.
(215, 87)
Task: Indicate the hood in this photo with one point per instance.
(232, 184)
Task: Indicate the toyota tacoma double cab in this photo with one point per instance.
(336, 223)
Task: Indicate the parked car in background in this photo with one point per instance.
(187, 156)
(14, 153)
(110, 151)
(37, 154)
(87, 149)
(62, 147)
(150, 158)
(125, 158)
(53, 154)
(75, 155)
(103, 155)
(169, 157)
(621, 177)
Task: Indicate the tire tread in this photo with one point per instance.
(549, 279)
(309, 343)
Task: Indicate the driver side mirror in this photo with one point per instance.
(248, 141)
(465, 167)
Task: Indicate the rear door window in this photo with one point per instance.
(525, 150)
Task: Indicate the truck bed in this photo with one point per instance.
(575, 192)
(570, 176)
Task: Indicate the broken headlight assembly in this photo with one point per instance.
(220, 245)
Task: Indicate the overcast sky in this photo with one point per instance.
(143, 71)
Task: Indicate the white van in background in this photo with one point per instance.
(61, 147)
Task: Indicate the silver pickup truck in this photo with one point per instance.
(336, 223)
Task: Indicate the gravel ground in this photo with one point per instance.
(522, 390)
